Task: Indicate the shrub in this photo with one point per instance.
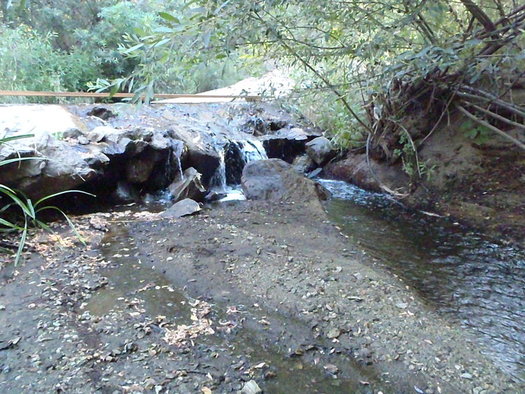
(28, 61)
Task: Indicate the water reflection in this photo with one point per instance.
(479, 282)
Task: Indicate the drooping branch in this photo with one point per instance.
(486, 124)
(306, 64)
(478, 94)
(496, 116)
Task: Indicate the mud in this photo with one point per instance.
(244, 291)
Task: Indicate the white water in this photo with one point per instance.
(250, 150)
(218, 182)
(179, 165)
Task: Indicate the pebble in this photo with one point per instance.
(330, 368)
(251, 387)
(333, 333)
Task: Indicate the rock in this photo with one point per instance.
(303, 164)
(37, 120)
(139, 169)
(320, 150)
(215, 196)
(82, 140)
(201, 151)
(314, 173)
(148, 156)
(355, 169)
(99, 159)
(182, 208)
(276, 180)
(331, 369)
(74, 133)
(100, 133)
(259, 126)
(287, 144)
(205, 162)
(57, 166)
(251, 387)
(188, 187)
(102, 113)
(333, 333)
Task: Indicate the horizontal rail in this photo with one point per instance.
(121, 95)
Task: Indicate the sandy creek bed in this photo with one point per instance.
(245, 291)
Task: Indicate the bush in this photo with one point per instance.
(28, 61)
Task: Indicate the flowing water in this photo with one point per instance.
(233, 157)
(471, 279)
(462, 274)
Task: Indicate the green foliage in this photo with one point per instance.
(326, 112)
(29, 211)
(380, 59)
(478, 134)
(72, 45)
(167, 57)
(361, 51)
(29, 62)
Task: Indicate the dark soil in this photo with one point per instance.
(245, 292)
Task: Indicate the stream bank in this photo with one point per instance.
(253, 293)
(479, 183)
(245, 291)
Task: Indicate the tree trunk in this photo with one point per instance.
(479, 14)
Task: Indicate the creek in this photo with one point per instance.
(465, 276)
(462, 274)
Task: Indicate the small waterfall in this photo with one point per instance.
(177, 152)
(179, 165)
(234, 156)
(218, 182)
(252, 150)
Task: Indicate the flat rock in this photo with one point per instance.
(182, 208)
(190, 186)
(251, 387)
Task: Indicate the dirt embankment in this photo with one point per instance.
(254, 291)
(481, 183)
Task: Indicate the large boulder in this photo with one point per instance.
(66, 154)
(56, 166)
(237, 154)
(368, 174)
(276, 180)
(320, 150)
(303, 164)
(288, 143)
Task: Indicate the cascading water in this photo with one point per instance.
(252, 150)
(179, 166)
(233, 157)
(218, 182)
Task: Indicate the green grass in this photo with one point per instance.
(27, 212)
